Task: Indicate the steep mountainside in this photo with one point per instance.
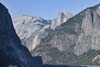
(11, 50)
(32, 29)
(75, 42)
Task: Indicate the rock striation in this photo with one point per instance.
(32, 29)
(75, 42)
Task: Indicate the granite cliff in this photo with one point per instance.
(32, 29)
(75, 42)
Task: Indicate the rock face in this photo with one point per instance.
(11, 50)
(32, 29)
(96, 59)
(61, 18)
(75, 42)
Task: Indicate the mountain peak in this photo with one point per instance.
(64, 14)
(61, 18)
(28, 16)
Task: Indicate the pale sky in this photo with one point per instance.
(47, 9)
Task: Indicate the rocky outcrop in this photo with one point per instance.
(96, 59)
(75, 42)
(32, 29)
(61, 18)
(11, 50)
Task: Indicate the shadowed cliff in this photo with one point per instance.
(11, 50)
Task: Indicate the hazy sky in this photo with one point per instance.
(46, 8)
